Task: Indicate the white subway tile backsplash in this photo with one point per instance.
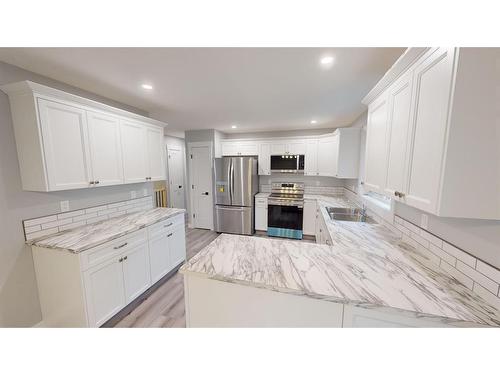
(412, 227)
(56, 223)
(51, 224)
(431, 238)
(487, 296)
(459, 254)
(489, 271)
(70, 214)
(443, 254)
(40, 220)
(457, 275)
(420, 240)
(478, 277)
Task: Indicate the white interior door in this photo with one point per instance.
(105, 149)
(176, 177)
(201, 186)
(65, 143)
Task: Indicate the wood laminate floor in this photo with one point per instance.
(165, 306)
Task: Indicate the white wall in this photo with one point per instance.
(480, 238)
(19, 305)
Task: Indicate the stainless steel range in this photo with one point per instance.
(285, 208)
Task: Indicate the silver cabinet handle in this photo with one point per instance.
(122, 245)
(170, 235)
(168, 225)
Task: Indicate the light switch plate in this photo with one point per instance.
(424, 221)
(133, 194)
(145, 192)
(64, 206)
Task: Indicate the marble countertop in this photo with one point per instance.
(367, 266)
(262, 195)
(88, 236)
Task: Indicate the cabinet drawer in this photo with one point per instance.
(165, 225)
(110, 249)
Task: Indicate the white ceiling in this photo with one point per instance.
(260, 89)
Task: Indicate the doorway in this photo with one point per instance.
(200, 179)
(175, 159)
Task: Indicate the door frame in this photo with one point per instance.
(167, 172)
(190, 145)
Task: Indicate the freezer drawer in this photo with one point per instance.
(233, 219)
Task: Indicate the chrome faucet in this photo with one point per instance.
(363, 209)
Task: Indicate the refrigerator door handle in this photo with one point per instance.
(231, 181)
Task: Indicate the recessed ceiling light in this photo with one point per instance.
(146, 86)
(313, 122)
(233, 126)
(326, 60)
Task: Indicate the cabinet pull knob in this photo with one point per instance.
(126, 257)
(120, 260)
(396, 193)
(96, 182)
(91, 182)
(122, 245)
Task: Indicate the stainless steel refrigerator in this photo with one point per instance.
(236, 183)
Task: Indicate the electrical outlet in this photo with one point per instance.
(64, 206)
(145, 192)
(133, 194)
(424, 221)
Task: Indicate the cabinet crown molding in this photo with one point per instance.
(396, 70)
(37, 89)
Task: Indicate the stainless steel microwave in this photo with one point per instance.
(287, 163)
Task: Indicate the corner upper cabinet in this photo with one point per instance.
(65, 146)
(68, 142)
(442, 132)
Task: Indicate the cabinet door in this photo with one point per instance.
(104, 291)
(135, 168)
(297, 148)
(399, 122)
(309, 220)
(265, 159)
(433, 81)
(136, 274)
(279, 148)
(177, 245)
(65, 144)
(261, 217)
(159, 257)
(229, 149)
(334, 161)
(105, 149)
(326, 156)
(155, 153)
(248, 148)
(311, 158)
(376, 146)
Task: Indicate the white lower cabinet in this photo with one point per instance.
(89, 288)
(309, 217)
(104, 291)
(261, 214)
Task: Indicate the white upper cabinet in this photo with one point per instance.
(326, 154)
(135, 163)
(376, 147)
(239, 148)
(311, 158)
(296, 148)
(105, 149)
(68, 142)
(65, 145)
(398, 129)
(292, 147)
(264, 161)
(433, 80)
(442, 133)
(155, 153)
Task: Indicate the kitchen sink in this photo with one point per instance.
(349, 214)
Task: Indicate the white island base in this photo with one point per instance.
(213, 303)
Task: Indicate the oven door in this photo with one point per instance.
(285, 220)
